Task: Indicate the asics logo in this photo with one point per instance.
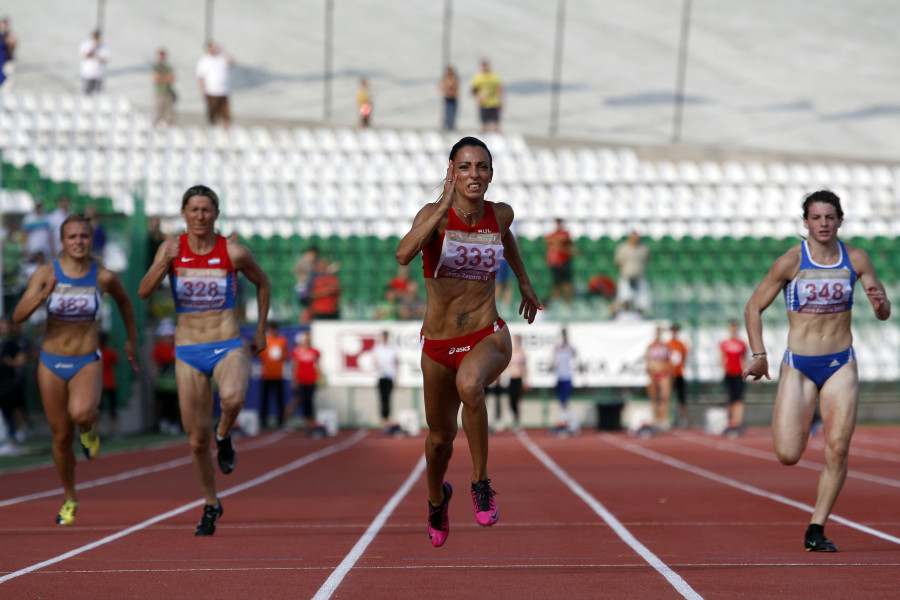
(460, 349)
(63, 366)
(219, 350)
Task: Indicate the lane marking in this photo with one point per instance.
(309, 458)
(662, 568)
(769, 456)
(124, 476)
(334, 580)
(678, 464)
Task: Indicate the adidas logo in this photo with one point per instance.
(835, 363)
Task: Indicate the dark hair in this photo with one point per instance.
(471, 141)
(200, 190)
(826, 196)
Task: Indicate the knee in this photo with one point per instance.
(787, 458)
(200, 442)
(441, 441)
(837, 451)
(470, 389)
(84, 416)
(231, 399)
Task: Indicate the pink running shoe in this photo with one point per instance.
(439, 519)
(486, 512)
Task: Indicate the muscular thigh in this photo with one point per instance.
(795, 404)
(86, 387)
(838, 400)
(233, 373)
(484, 363)
(441, 398)
(195, 397)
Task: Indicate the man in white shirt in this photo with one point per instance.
(94, 56)
(213, 75)
(386, 361)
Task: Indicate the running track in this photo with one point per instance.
(682, 515)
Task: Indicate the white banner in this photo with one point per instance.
(608, 354)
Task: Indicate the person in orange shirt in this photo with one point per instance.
(272, 380)
(559, 259)
(678, 352)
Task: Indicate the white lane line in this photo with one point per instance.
(335, 579)
(172, 464)
(770, 456)
(309, 458)
(674, 462)
(662, 568)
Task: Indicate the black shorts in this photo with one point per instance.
(490, 115)
(734, 387)
(561, 274)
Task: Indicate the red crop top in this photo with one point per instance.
(464, 251)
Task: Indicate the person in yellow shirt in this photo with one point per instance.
(488, 90)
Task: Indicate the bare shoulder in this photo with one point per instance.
(504, 214)
(786, 265)
(859, 258)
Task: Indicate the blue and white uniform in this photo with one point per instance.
(820, 289)
(73, 300)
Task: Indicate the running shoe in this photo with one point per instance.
(66, 514)
(226, 454)
(211, 514)
(815, 540)
(439, 518)
(90, 443)
(486, 512)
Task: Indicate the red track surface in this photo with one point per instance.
(705, 517)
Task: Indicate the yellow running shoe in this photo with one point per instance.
(90, 443)
(66, 514)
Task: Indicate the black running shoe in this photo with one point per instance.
(226, 454)
(815, 540)
(211, 514)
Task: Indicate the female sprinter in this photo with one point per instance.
(70, 372)
(817, 277)
(465, 344)
(202, 267)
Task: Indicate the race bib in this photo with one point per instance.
(202, 289)
(824, 291)
(469, 255)
(73, 303)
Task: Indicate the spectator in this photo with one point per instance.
(659, 388)
(215, 83)
(401, 282)
(12, 385)
(13, 254)
(449, 88)
(517, 371)
(623, 312)
(99, 231)
(734, 360)
(8, 41)
(55, 219)
(503, 283)
(306, 376)
(388, 309)
(303, 273)
(409, 305)
(325, 292)
(109, 398)
(165, 385)
(631, 260)
(564, 358)
(37, 232)
(94, 56)
(164, 90)
(272, 359)
(364, 102)
(488, 91)
(678, 353)
(559, 259)
(386, 361)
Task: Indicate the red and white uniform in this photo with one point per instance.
(466, 252)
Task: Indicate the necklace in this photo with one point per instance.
(466, 214)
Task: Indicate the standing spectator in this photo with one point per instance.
(517, 371)
(13, 253)
(94, 56)
(306, 377)
(659, 388)
(734, 360)
(678, 352)
(215, 83)
(164, 384)
(386, 361)
(37, 231)
(325, 292)
(55, 219)
(364, 102)
(272, 381)
(559, 259)
(12, 385)
(99, 231)
(564, 368)
(8, 41)
(163, 90)
(631, 260)
(109, 398)
(488, 91)
(449, 88)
